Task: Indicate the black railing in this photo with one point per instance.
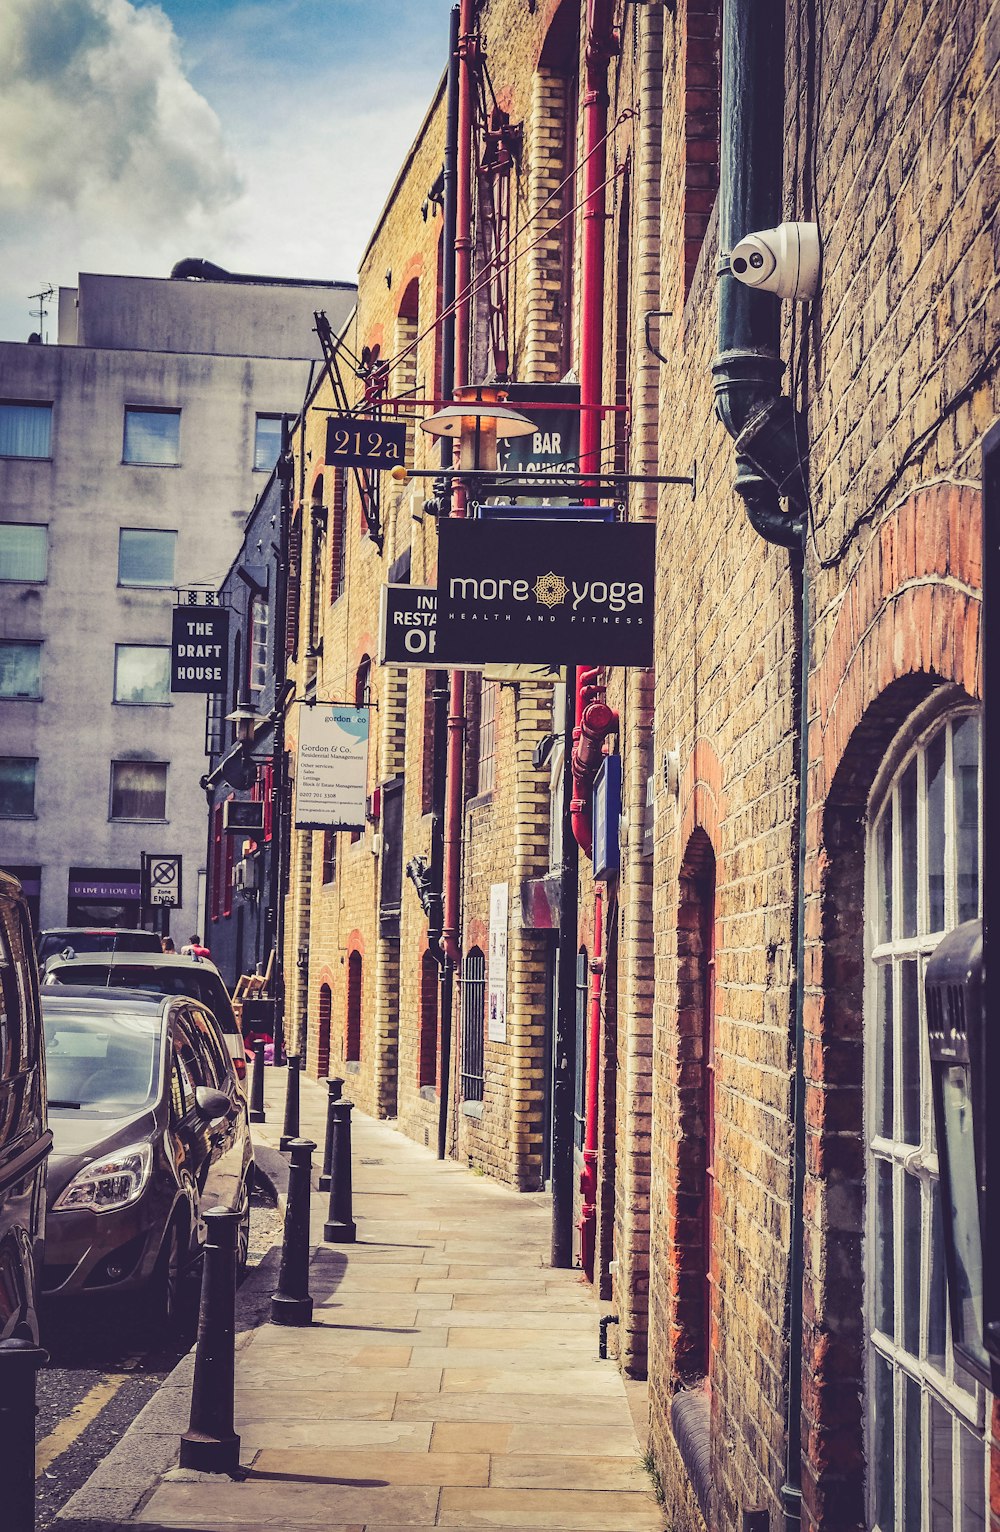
(473, 1017)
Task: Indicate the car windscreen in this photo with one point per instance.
(50, 942)
(101, 1061)
(200, 983)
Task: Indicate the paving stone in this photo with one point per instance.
(395, 1468)
(275, 1504)
(552, 1509)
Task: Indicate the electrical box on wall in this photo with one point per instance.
(607, 808)
(239, 816)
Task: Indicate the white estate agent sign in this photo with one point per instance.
(496, 976)
(331, 775)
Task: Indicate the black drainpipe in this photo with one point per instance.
(770, 442)
(435, 901)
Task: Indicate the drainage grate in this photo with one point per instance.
(363, 1161)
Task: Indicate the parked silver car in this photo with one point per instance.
(161, 973)
(151, 1131)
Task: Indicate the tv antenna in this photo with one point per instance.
(41, 313)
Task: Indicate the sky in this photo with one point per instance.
(263, 135)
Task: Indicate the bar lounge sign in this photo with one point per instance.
(553, 592)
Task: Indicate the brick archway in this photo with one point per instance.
(908, 625)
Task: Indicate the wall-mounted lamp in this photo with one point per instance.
(245, 720)
(478, 420)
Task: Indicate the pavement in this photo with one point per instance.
(450, 1376)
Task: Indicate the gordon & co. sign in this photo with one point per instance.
(331, 773)
(551, 593)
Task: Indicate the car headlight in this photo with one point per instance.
(106, 1185)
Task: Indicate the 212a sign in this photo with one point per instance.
(374, 444)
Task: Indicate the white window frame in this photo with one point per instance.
(258, 645)
(149, 410)
(965, 1405)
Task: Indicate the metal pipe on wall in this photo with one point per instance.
(761, 420)
(588, 1179)
(440, 688)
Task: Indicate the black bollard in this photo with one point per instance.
(291, 1128)
(291, 1304)
(334, 1091)
(257, 1113)
(19, 1362)
(340, 1228)
(210, 1443)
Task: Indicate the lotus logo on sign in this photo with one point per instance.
(554, 592)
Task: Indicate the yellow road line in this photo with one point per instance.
(76, 1422)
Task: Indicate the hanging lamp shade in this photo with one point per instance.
(454, 418)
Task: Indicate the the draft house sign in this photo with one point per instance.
(331, 774)
(556, 592)
(373, 444)
(199, 657)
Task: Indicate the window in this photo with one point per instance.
(266, 443)
(580, 1072)
(218, 837)
(427, 1062)
(17, 787)
(338, 542)
(488, 736)
(142, 674)
(702, 86)
(24, 548)
(317, 566)
(352, 1033)
(152, 437)
(257, 648)
(138, 789)
(323, 1039)
(20, 669)
(473, 1016)
(25, 430)
(146, 557)
(329, 856)
(925, 1443)
(215, 723)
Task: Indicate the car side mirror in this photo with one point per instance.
(211, 1104)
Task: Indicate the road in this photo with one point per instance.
(100, 1374)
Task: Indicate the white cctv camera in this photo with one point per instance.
(784, 260)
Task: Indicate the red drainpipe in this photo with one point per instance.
(594, 719)
(454, 795)
(588, 1177)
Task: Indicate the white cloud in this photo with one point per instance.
(96, 113)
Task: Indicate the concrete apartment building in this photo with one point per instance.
(801, 766)
(130, 454)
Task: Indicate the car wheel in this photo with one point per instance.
(243, 1231)
(174, 1305)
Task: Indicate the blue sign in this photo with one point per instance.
(607, 809)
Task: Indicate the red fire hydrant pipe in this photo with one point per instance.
(588, 1177)
(454, 795)
(592, 725)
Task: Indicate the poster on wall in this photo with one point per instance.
(331, 776)
(496, 973)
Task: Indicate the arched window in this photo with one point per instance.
(323, 1040)
(338, 541)
(257, 647)
(473, 1018)
(352, 1031)
(427, 1061)
(925, 1447)
(693, 1235)
(580, 1080)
